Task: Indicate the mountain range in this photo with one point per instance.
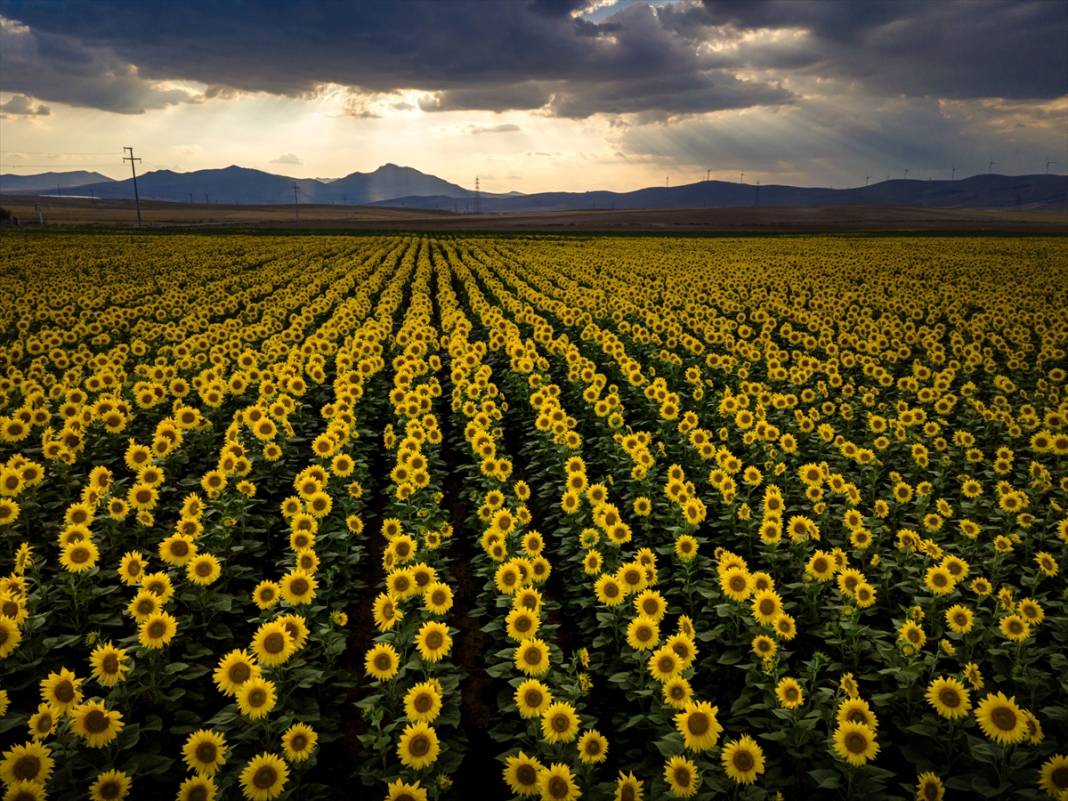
(392, 185)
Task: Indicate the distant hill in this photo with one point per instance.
(405, 187)
(246, 186)
(979, 191)
(48, 182)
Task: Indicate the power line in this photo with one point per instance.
(133, 169)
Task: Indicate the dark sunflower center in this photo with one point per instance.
(526, 775)
(434, 640)
(682, 777)
(26, 768)
(97, 722)
(299, 586)
(743, 761)
(423, 702)
(419, 745)
(274, 643)
(1004, 718)
(949, 697)
(856, 743)
(265, 777)
(64, 691)
(558, 787)
(698, 723)
(532, 656)
(206, 752)
(257, 697)
(240, 673)
(383, 662)
(560, 723)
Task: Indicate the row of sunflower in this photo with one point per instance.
(838, 467)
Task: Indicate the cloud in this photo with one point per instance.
(60, 68)
(286, 158)
(20, 105)
(564, 58)
(493, 129)
(465, 54)
(827, 137)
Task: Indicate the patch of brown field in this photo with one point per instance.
(87, 212)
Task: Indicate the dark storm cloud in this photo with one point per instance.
(527, 54)
(469, 54)
(943, 48)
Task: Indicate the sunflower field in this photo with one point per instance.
(414, 517)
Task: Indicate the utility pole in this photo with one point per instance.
(190, 198)
(207, 199)
(667, 181)
(1048, 165)
(478, 196)
(906, 173)
(133, 169)
(708, 174)
(296, 207)
(953, 174)
(757, 201)
(741, 177)
(990, 167)
(866, 179)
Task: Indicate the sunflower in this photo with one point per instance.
(532, 698)
(197, 788)
(111, 785)
(559, 723)
(433, 641)
(203, 569)
(298, 587)
(856, 710)
(789, 693)
(743, 760)
(266, 594)
(949, 698)
(29, 762)
(959, 619)
(855, 743)
(157, 630)
(556, 783)
(62, 690)
(592, 747)
(736, 583)
(79, 556)
(1054, 775)
(629, 788)
(532, 657)
(522, 624)
(205, 751)
(256, 697)
(299, 741)
(521, 774)
(42, 723)
(418, 745)
(1001, 719)
(382, 662)
(264, 777)
(233, 670)
(177, 549)
(911, 635)
(272, 644)
(10, 636)
(437, 598)
(386, 613)
(664, 663)
(95, 723)
(1015, 628)
(677, 692)
(929, 787)
(423, 702)
(609, 591)
(682, 777)
(109, 663)
(767, 605)
(132, 568)
(699, 726)
(643, 634)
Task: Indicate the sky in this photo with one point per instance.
(540, 95)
